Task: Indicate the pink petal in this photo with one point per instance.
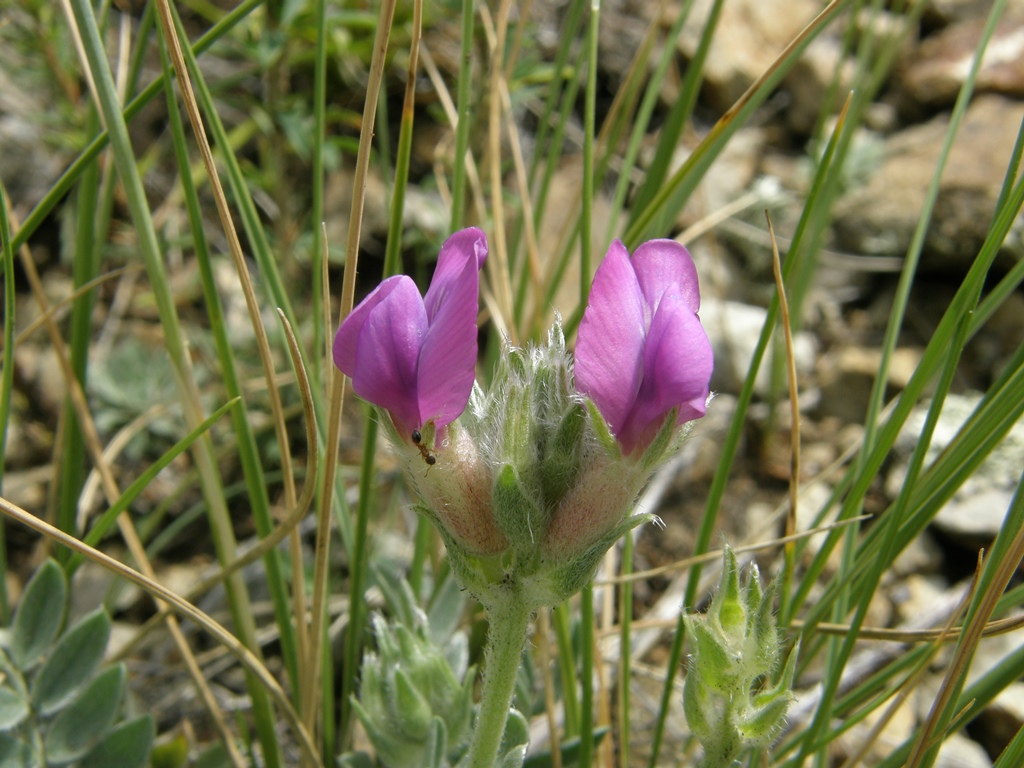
(387, 354)
(464, 247)
(677, 371)
(610, 342)
(665, 268)
(347, 337)
(447, 362)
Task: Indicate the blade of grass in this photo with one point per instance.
(264, 253)
(67, 180)
(931, 359)
(220, 521)
(337, 393)
(672, 130)
(589, 131)
(794, 430)
(292, 635)
(112, 493)
(625, 645)
(673, 193)
(462, 126)
(723, 471)
(1000, 568)
(94, 204)
(6, 378)
(567, 667)
(901, 299)
(318, 256)
(100, 527)
(392, 257)
(84, 268)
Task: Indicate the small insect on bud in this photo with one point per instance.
(417, 440)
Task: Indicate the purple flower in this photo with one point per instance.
(641, 350)
(416, 356)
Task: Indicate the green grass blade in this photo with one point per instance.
(465, 107)
(149, 249)
(6, 378)
(672, 131)
(247, 446)
(103, 524)
(67, 180)
(673, 194)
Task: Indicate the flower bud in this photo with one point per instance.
(736, 648)
(409, 694)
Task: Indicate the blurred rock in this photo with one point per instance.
(879, 217)
(734, 329)
(28, 165)
(847, 376)
(948, 11)
(936, 70)
(732, 176)
(959, 751)
(749, 37)
(999, 722)
(978, 508)
(810, 79)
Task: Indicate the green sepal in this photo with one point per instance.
(560, 465)
(728, 606)
(762, 722)
(602, 431)
(560, 581)
(475, 573)
(715, 660)
(664, 442)
(71, 663)
(765, 633)
(518, 517)
(515, 425)
(391, 751)
(39, 617)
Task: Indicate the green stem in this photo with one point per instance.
(506, 635)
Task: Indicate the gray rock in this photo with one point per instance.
(750, 35)
(733, 329)
(879, 217)
(978, 509)
(936, 70)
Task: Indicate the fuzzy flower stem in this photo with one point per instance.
(508, 618)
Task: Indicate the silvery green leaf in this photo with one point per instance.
(127, 746)
(13, 709)
(71, 663)
(356, 760)
(14, 753)
(40, 615)
(514, 741)
(88, 717)
(436, 753)
(445, 613)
